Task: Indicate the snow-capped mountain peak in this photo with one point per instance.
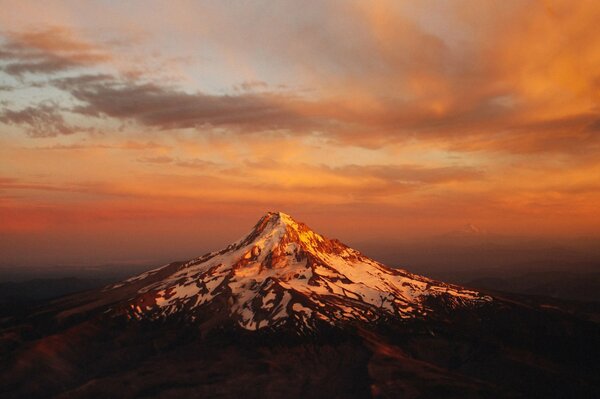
(283, 273)
(275, 227)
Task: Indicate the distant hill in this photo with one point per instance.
(558, 284)
(47, 288)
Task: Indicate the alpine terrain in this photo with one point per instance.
(287, 312)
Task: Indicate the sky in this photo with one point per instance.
(146, 130)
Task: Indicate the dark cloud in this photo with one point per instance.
(166, 107)
(43, 120)
(574, 135)
(587, 121)
(47, 52)
(45, 65)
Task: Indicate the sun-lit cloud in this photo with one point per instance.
(406, 118)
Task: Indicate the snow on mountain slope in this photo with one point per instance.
(284, 272)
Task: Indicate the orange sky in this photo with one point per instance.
(161, 129)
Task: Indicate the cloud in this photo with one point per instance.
(47, 51)
(165, 107)
(43, 120)
(189, 163)
(251, 85)
(168, 108)
(9, 183)
(196, 164)
(356, 184)
(156, 160)
(400, 79)
(414, 174)
(126, 145)
(572, 135)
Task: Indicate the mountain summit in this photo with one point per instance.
(282, 272)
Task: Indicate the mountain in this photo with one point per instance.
(46, 288)
(468, 233)
(283, 273)
(287, 312)
(470, 229)
(581, 286)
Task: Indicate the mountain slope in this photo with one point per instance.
(282, 272)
